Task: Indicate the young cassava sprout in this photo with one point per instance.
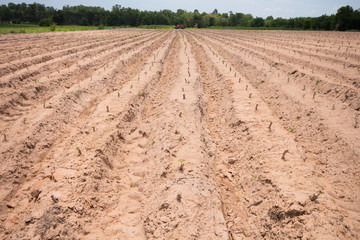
(79, 151)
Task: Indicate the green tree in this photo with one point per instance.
(257, 22)
(84, 21)
(245, 20)
(45, 22)
(307, 24)
(343, 18)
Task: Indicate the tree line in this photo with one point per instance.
(346, 17)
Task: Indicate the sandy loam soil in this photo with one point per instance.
(180, 134)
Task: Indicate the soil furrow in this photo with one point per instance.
(180, 134)
(62, 109)
(278, 58)
(62, 78)
(241, 163)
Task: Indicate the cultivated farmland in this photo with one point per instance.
(180, 134)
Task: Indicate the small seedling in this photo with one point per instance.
(246, 87)
(25, 119)
(107, 108)
(180, 138)
(24, 151)
(79, 151)
(183, 96)
(318, 81)
(292, 130)
(316, 195)
(178, 197)
(250, 95)
(181, 168)
(204, 140)
(253, 176)
(314, 95)
(304, 88)
(284, 153)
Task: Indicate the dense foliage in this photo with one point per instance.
(346, 18)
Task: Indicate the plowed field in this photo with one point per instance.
(180, 134)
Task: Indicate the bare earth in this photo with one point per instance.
(180, 134)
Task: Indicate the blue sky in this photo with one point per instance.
(261, 8)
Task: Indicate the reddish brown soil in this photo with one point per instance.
(180, 134)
